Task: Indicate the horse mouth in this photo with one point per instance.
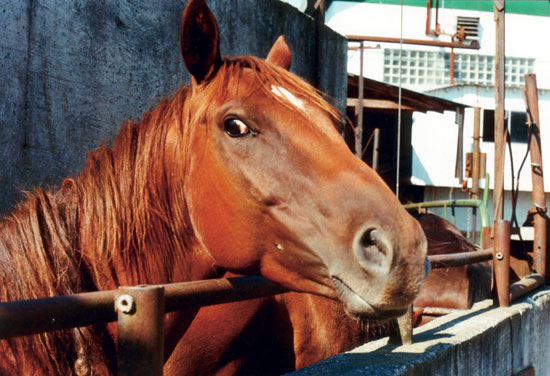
(358, 307)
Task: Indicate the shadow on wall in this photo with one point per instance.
(419, 175)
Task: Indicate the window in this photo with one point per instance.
(435, 68)
(418, 67)
(489, 125)
(517, 121)
(517, 126)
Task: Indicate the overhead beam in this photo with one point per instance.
(378, 104)
(473, 45)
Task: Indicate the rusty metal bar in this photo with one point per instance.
(539, 200)
(475, 154)
(140, 330)
(428, 15)
(500, 126)
(501, 261)
(525, 285)
(481, 205)
(218, 291)
(474, 45)
(475, 168)
(459, 259)
(437, 16)
(43, 315)
(450, 203)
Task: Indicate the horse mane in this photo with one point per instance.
(65, 241)
(124, 208)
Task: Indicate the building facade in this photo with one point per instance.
(466, 78)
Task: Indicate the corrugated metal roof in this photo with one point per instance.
(382, 96)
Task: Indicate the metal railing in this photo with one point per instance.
(140, 310)
(466, 203)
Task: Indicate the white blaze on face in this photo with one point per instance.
(285, 94)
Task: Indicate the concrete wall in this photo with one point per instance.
(483, 341)
(72, 71)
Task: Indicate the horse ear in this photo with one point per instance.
(200, 40)
(280, 54)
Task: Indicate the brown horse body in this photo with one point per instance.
(229, 174)
(293, 330)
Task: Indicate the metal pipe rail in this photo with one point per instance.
(34, 316)
(468, 203)
(455, 203)
(140, 310)
(61, 312)
(459, 259)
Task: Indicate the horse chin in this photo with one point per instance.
(358, 308)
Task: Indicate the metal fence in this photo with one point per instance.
(140, 310)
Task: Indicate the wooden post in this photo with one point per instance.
(539, 199)
(500, 126)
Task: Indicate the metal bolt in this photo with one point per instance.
(499, 256)
(125, 303)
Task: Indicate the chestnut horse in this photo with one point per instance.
(293, 330)
(228, 174)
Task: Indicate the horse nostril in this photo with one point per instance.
(373, 252)
(368, 239)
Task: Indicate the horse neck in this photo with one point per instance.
(134, 226)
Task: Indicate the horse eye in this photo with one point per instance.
(236, 127)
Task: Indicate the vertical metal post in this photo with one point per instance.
(500, 126)
(501, 261)
(475, 167)
(459, 119)
(428, 11)
(140, 330)
(452, 67)
(475, 153)
(539, 198)
(359, 142)
(375, 149)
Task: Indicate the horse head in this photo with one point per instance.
(272, 188)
